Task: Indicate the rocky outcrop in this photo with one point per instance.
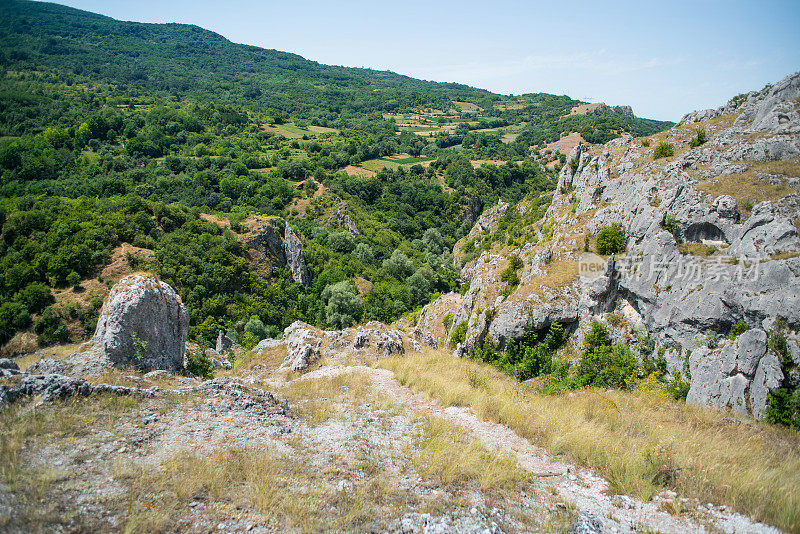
(695, 264)
(8, 367)
(739, 375)
(384, 342)
(306, 344)
(302, 345)
(287, 251)
(294, 257)
(224, 343)
(143, 323)
(267, 240)
(343, 220)
(49, 387)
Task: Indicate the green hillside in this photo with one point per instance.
(172, 140)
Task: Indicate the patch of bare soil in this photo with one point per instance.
(478, 162)
(352, 170)
(566, 143)
(119, 266)
(583, 109)
(222, 222)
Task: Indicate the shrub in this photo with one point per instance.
(671, 225)
(710, 340)
(342, 305)
(364, 253)
(611, 239)
(740, 327)
(341, 241)
(140, 350)
(36, 297)
(783, 408)
(74, 279)
(459, 334)
(447, 321)
(256, 328)
(698, 139)
(398, 265)
(663, 150)
(603, 365)
(515, 262)
(645, 142)
(50, 327)
(509, 276)
(199, 365)
(777, 342)
(573, 164)
(678, 388)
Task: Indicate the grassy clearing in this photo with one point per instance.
(697, 249)
(59, 425)
(636, 440)
(392, 163)
(313, 400)
(289, 491)
(748, 189)
(557, 274)
(455, 461)
(267, 359)
(57, 351)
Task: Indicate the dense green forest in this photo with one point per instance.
(116, 132)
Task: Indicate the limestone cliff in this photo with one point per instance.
(712, 240)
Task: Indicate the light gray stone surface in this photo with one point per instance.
(142, 307)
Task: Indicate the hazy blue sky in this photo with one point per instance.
(663, 58)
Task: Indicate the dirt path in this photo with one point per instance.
(577, 486)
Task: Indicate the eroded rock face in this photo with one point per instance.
(302, 345)
(266, 239)
(294, 257)
(343, 220)
(143, 323)
(739, 375)
(696, 261)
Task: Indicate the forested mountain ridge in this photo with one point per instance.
(179, 60)
(176, 61)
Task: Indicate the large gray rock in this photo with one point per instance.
(266, 239)
(294, 257)
(302, 345)
(143, 323)
(740, 375)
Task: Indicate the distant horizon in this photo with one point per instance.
(590, 57)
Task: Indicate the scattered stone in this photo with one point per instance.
(54, 386)
(588, 523)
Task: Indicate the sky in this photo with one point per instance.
(662, 58)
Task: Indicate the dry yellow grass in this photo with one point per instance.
(747, 188)
(21, 343)
(631, 437)
(58, 352)
(268, 359)
(454, 460)
(558, 274)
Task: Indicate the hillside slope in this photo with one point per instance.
(179, 61)
(712, 251)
